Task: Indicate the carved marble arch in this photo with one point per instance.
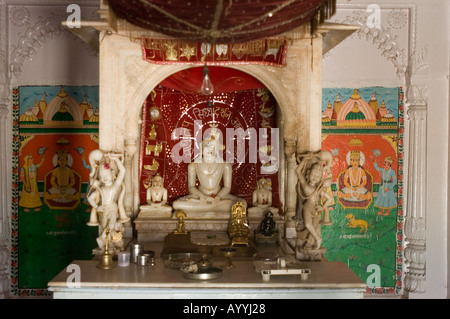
(134, 117)
(126, 80)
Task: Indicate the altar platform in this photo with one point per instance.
(326, 280)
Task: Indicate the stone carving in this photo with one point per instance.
(312, 188)
(415, 219)
(106, 198)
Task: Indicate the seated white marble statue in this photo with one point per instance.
(210, 199)
(156, 193)
(262, 200)
(156, 200)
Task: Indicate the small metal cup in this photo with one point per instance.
(151, 256)
(142, 260)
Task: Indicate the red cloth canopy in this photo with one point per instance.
(223, 79)
(222, 21)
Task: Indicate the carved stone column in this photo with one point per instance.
(415, 221)
(291, 193)
(4, 216)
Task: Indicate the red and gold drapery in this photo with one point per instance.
(180, 107)
(224, 80)
(269, 51)
(222, 21)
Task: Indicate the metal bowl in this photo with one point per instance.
(204, 274)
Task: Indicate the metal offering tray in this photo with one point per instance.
(204, 274)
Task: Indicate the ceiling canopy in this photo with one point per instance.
(222, 21)
(224, 80)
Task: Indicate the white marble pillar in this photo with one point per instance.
(4, 199)
(309, 94)
(415, 221)
(291, 197)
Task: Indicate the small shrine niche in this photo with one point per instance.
(174, 121)
(176, 118)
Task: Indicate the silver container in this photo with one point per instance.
(150, 255)
(135, 250)
(142, 260)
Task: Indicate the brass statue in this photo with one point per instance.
(181, 226)
(239, 230)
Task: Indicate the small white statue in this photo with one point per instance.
(312, 187)
(262, 195)
(209, 170)
(106, 197)
(156, 198)
(262, 200)
(156, 193)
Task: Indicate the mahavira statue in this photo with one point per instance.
(210, 199)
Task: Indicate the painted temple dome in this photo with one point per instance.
(63, 108)
(28, 116)
(94, 118)
(42, 105)
(84, 105)
(388, 118)
(35, 108)
(381, 111)
(373, 102)
(329, 111)
(325, 118)
(356, 112)
(337, 104)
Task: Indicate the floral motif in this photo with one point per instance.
(397, 19)
(19, 16)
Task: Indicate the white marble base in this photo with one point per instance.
(154, 229)
(291, 232)
(148, 211)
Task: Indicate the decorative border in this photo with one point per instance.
(398, 288)
(212, 56)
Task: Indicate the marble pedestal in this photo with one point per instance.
(156, 229)
(148, 211)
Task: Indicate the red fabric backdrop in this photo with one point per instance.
(251, 108)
